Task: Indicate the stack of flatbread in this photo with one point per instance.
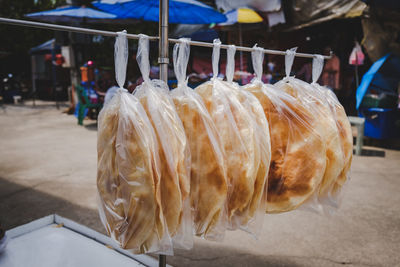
(316, 102)
(238, 130)
(208, 172)
(174, 154)
(346, 140)
(298, 151)
(128, 176)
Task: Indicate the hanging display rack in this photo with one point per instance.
(136, 36)
(164, 41)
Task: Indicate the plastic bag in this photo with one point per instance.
(174, 151)
(250, 218)
(128, 170)
(357, 56)
(237, 130)
(208, 188)
(297, 150)
(326, 126)
(330, 195)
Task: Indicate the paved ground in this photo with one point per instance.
(48, 165)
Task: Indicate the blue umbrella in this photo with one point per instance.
(383, 76)
(72, 14)
(180, 11)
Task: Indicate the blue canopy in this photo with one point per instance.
(205, 35)
(180, 11)
(71, 13)
(383, 76)
(45, 47)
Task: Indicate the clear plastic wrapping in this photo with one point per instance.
(251, 217)
(174, 151)
(128, 170)
(330, 195)
(237, 129)
(316, 102)
(208, 171)
(297, 149)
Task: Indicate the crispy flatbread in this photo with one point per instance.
(316, 102)
(128, 175)
(262, 159)
(208, 187)
(173, 150)
(236, 128)
(346, 139)
(298, 152)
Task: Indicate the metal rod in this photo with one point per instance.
(135, 36)
(163, 59)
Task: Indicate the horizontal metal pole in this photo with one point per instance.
(136, 36)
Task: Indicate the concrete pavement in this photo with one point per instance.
(48, 165)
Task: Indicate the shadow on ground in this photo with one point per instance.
(20, 205)
(393, 143)
(92, 126)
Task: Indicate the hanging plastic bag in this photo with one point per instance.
(357, 56)
(237, 130)
(330, 194)
(174, 151)
(208, 188)
(128, 169)
(297, 150)
(251, 217)
(326, 123)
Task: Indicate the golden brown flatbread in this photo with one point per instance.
(262, 160)
(208, 187)
(128, 175)
(346, 139)
(298, 152)
(173, 151)
(316, 102)
(236, 127)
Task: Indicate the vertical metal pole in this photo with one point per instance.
(163, 61)
(241, 44)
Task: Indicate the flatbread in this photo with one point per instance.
(262, 160)
(173, 151)
(316, 102)
(298, 152)
(128, 175)
(236, 128)
(346, 139)
(208, 187)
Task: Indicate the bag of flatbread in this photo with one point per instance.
(174, 151)
(208, 185)
(317, 104)
(250, 218)
(128, 169)
(331, 196)
(297, 149)
(238, 132)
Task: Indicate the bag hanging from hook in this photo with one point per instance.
(325, 125)
(173, 151)
(297, 150)
(208, 170)
(236, 127)
(250, 218)
(330, 193)
(289, 58)
(128, 170)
